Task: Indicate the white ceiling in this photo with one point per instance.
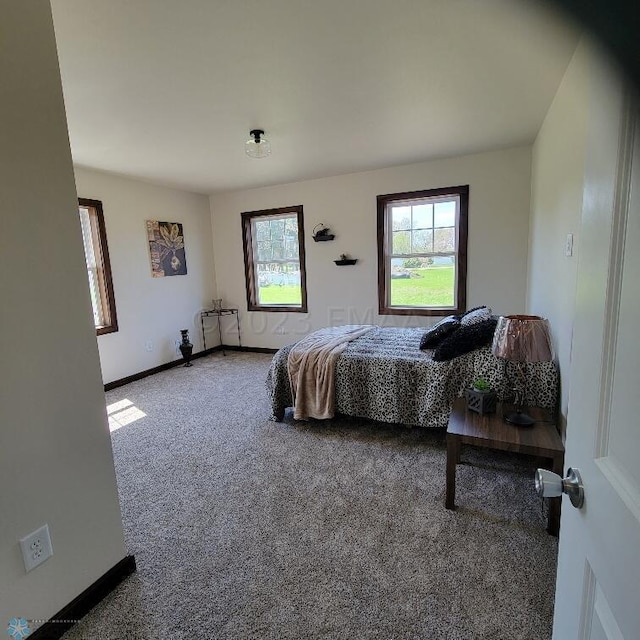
(167, 90)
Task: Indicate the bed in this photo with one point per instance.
(383, 375)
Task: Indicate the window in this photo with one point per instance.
(274, 259)
(422, 252)
(96, 252)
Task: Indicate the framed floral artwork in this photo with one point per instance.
(166, 247)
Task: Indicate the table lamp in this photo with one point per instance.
(522, 339)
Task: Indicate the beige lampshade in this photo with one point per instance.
(522, 339)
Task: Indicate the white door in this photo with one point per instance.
(598, 587)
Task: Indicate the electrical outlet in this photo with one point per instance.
(36, 547)
(148, 345)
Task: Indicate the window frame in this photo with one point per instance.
(383, 231)
(247, 218)
(103, 272)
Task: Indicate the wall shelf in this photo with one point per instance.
(321, 233)
(344, 263)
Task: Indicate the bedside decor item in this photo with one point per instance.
(481, 398)
(257, 146)
(186, 347)
(216, 304)
(345, 260)
(322, 234)
(166, 247)
(522, 339)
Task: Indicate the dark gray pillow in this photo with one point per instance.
(475, 315)
(466, 313)
(466, 339)
(439, 332)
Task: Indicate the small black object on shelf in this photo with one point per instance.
(344, 260)
(186, 348)
(322, 234)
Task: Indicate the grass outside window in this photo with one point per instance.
(432, 286)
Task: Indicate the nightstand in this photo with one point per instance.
(490, 431)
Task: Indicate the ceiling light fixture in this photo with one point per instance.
(257, 146)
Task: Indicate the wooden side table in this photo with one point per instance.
(490, 431)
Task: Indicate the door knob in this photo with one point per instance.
(551, 485)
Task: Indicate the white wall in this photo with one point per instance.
(558, 163)
(499, 203)
(150, 309)
(56, 465)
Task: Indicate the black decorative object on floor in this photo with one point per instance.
(186, 348)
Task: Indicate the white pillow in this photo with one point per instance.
(475, 316)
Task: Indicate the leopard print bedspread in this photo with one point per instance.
(384, 376)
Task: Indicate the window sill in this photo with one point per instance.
(282, 309)
(417, 311)
(100, 331)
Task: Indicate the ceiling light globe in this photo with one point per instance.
(257, 149)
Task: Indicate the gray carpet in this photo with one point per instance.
(245, 528)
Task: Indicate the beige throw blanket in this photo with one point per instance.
(312, 366)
